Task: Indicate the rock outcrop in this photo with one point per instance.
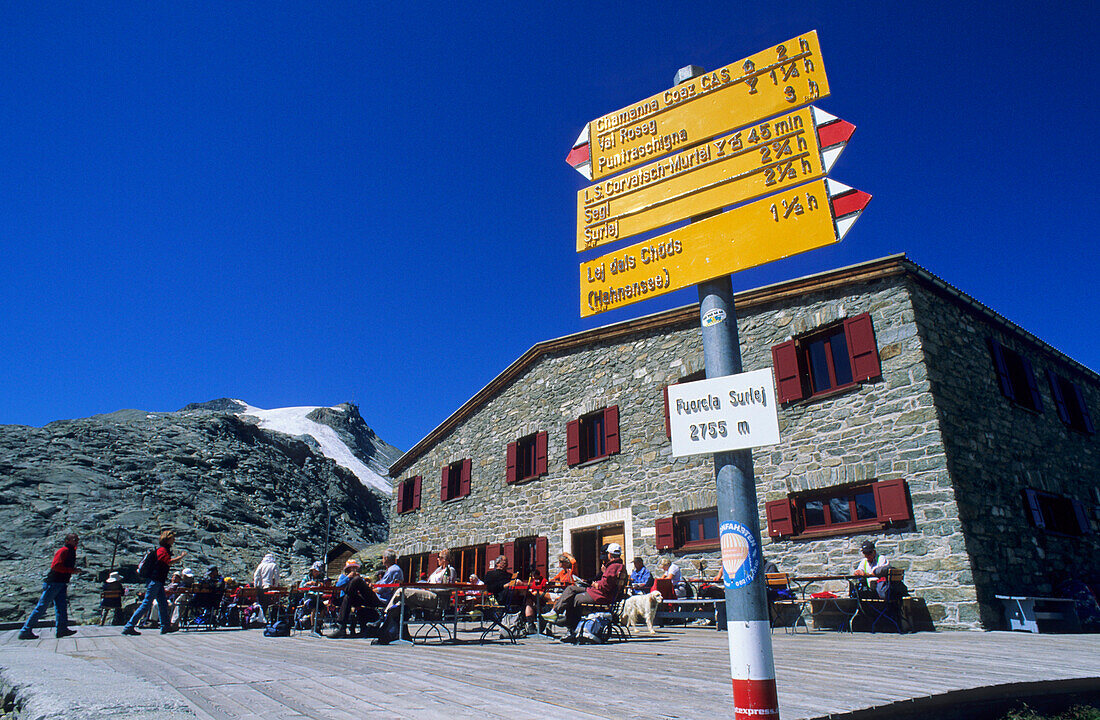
(230, 489)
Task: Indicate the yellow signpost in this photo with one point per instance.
(764, 158)
(794, 221)
(780, 78)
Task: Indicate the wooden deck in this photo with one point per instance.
(682, 673)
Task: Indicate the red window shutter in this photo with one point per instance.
(416, 492)
(573, 442)
(540, 454)
(508, 550)
(443, 495)
(891, 500)
(1089, 427)
(860, 334)
(1034, 508)
(1032, 385)
(1001, 367)
(788, 379)
(464, 481)
(401, 496)
(611, 429)
(542, 556)
(492, 552)
(510, 470)
(668, 418)
(666, 533)
(1056, 393)
(780, 517)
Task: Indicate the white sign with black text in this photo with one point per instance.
(734, 412)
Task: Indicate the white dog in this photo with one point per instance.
(644, 607)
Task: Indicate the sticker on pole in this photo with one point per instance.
(740, 558)
(713, 317)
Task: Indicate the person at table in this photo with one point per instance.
(567, 610)
(873, 568)
(671, 571)
(444, 573)
(361, 595)
(641, 580)
(111, 599)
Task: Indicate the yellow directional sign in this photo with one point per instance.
(780, 78)
(787, 223)
(725, 171)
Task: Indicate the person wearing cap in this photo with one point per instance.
(873, 565)
(360, 595)
(604, 591)
(111, 598)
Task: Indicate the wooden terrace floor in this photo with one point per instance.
(682, 673)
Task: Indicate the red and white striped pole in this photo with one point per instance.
(752, 669)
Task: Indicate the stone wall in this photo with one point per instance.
(878, 430)
(996, 448)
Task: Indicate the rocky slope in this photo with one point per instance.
(231, 489)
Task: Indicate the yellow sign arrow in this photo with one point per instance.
(780, 78)
(787, 223)
(789, 150)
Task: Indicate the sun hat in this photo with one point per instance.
(114, 577)
(188, 573)
(317, 566)
(352, 562)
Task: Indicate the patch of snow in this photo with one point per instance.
(293, 421)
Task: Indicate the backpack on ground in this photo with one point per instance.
(594, 628)
(278, 628)
(147, 568)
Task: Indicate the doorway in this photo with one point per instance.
(586, 544)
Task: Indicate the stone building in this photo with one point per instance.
(912, 415)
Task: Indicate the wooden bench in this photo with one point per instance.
(1040, 614)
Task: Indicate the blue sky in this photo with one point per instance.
(311, 203)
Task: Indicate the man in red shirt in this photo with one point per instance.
(603, 592)
(55, 589)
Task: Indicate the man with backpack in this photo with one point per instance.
(155, 567)
(55, 589)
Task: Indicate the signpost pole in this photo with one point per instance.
(752, 668)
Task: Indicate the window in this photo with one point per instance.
(1016, 379)
(687, 531)
(1056, 513)
(831, 359)
(839, 510)
(456, 480)
(526, 458)
(1070, 403)
(408, 494)
(593, 436)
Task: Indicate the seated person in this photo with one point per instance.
(111, 599)
(641, 580)
(671, 571)
(361, 595)
(603, 592)
(444, 573)
(500, 581)
(873, 565)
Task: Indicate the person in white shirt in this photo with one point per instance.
(671, 571)
(444, 573)
(873, 565)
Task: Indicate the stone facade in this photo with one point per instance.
(887, 428)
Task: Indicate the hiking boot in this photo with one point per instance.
(27, 635)
(65, 632)
(338, 633)
(130, 631)
(169, 629)
(550, 617)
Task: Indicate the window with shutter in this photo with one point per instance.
(464, 483)
(456, 480)
(788, 376)
(840, 510)
(445, 485)
(1056, 514)
(1015, 377)
(541, 453)
(527, 457)
(1070, 403)
(408, 495)
(891, 500)
(611, 430)
(596, 436)
(417, 481)
(829, 359)
(510, 472)
(573, 442)
(401, 497)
